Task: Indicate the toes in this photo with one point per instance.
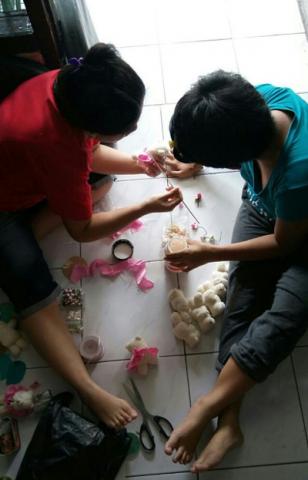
(127, 418)
(171, 444)
(179, 453)
(194, 469)
(186, 458)
(130, 412)
(133, 414)
(112, 424)
(201, 466)
(122, 420)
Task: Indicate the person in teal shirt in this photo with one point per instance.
(286, 192)
(224, 121)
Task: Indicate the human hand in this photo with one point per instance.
(194, 256)
(165, 202)
(148, 164)
(175, 168)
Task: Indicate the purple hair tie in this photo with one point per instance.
(77, 62)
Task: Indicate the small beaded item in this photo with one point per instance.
(72, 303)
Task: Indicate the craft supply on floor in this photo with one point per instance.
(91, 348)
(11, 371)
(11, 338)
(142, 356)
(72, 297)
(9, 436)
(70, 264)
(72, 304)
(196, 315)
(136, 267)
(175, 245)
(134, 446)
(5, 362)
(122, 249)
(198, 198)
(7, 312)
(16, 372)
(21, 401)
(161, 424)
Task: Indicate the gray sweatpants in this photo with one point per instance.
(267, 303)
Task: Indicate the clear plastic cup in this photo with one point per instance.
(175, 245)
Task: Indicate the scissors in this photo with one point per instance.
(146, 436)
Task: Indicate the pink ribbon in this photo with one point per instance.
(136, 267)
(135, 225)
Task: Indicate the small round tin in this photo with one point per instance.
(122, 249)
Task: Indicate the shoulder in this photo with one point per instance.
(280, 98)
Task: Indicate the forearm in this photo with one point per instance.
(259, 248)
(104, 224)
(109, 160)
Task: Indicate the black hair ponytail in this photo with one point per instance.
(100, 93)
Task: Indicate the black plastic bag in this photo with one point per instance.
(68, 446)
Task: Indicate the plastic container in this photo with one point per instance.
(9, 436)
(175, 245)
(91, 348)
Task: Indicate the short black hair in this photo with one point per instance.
(101, 95)
(222, 121)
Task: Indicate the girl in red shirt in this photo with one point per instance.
(51, 129)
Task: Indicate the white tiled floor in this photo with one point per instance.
(170, 43)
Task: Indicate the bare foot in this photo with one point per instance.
(186, 436)
(113, 411)
(224, 439)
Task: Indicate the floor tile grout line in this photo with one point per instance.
(232, 38)
(218, 39)
(169, 104)
(145, 475)
(170, 355)
(299, 397)
(187, 375)
(162, 70)
(259, 465)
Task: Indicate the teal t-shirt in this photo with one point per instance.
(285, 195)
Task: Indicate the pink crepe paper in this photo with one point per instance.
(136, 267)
(135, 225)
(139, 355)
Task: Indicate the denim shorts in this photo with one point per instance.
(24, 274)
